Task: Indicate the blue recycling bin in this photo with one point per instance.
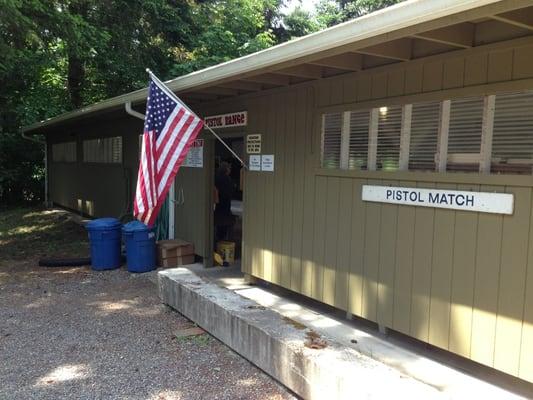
(140, 247)
(104, 236)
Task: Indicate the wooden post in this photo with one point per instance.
(489, 103)
(442, 145)
(373, 139)
(345, 140)
(405, 137)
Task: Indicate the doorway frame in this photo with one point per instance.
(225, 133)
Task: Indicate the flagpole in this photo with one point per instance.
(173, 95)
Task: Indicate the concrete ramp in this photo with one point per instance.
(312, 365)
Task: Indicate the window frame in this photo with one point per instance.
(89, 154)
(484, 163)
(73, 143)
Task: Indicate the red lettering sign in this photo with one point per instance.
(226, 120)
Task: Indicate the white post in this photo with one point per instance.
(489, 104)
(171, 209)
(46, 175)
(405, 137)
(442, 145)
(345, 140)
(373, 139)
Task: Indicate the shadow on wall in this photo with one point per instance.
(457, 280)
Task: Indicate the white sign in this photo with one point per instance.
(227, 120)
(195, 155)
(497, 203)
(267, 162)
(253, 144)
(255, 163)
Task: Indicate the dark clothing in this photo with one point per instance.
(224, 185)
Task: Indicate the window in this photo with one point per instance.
(331, 140)
(389, 127)
(104, 150)
(490, 134)
(64, 152)
(424, 136)
(358, 147)
(464, 136)
(512, 137)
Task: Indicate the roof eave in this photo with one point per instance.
(383, 23)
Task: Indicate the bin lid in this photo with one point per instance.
(135, 226)
(103, 224)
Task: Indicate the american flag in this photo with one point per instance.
(170, 128)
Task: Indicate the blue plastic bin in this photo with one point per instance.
(140, 247)
(104, 235)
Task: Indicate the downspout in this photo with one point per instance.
(32, 139)
(171, 193)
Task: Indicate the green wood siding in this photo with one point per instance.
(458, 280)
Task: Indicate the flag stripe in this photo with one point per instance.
(169, 137)
(173, 160)
(170, 128)
(164, 160)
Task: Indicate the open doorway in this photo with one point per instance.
(228, 199)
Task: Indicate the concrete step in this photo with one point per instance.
(282, 346)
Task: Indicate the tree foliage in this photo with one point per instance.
(58, 55)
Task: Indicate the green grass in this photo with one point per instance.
(35, 233)
(198, 340)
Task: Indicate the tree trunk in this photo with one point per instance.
(75, 80)
(76, 67)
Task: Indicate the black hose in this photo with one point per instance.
(64, 262)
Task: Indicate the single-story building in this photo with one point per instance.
(390, 170)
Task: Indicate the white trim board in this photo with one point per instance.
(496, 203)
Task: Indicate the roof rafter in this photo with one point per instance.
(199, 96)
(399, 49)
(459, 35)
(347, 61)
(520, 18)
(303, 71)
(242, 85)
(219, 91)
(270, 78)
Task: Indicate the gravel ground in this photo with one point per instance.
(80, 334)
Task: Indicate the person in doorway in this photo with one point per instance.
(224, 219)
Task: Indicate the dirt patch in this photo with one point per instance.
(315, 341)
(294, 323)
(74, 333)
(36, 233)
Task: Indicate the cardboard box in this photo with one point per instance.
(174, 248)
(176, 261)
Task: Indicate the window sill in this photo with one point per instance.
(431, 177)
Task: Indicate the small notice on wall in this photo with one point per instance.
(267, 162)
(253, 144)
(255, 163)
(497, 203)
(195, 155)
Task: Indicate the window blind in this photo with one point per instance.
(103, 150)
(464, 136)
(512, 143)
(424, 136)
(389, 127)
(358, 150)
(64, 152)
(331, 140)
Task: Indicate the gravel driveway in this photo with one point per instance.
(79, 334)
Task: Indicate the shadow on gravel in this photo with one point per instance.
(31, 232)
(74, 333)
